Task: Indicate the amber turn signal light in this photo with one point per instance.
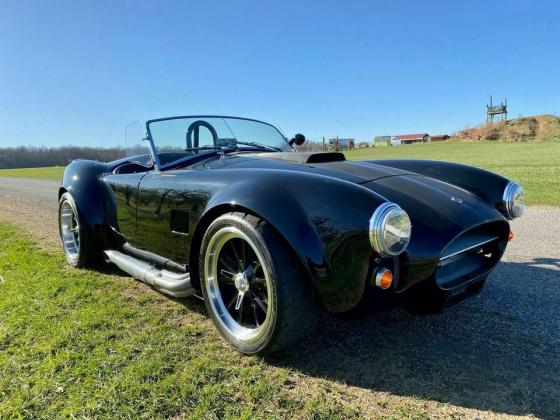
(510, 236)
(384, 278)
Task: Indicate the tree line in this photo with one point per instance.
(34, 157)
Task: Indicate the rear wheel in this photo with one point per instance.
(254, 288)
(77, 241)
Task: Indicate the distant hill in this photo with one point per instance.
(539, 127)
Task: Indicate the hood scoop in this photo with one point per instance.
(305, 157)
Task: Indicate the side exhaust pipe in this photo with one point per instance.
(168, 282)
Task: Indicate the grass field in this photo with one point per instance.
(77, 343)
(536, 165)
(53, 173)
(88, 344)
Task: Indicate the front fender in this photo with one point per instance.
(488, 186)
(324, 220)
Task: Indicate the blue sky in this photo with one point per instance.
(77, 72)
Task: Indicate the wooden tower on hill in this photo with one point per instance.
(496, 110)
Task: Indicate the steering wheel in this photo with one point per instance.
(193, 133)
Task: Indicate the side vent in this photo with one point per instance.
(179, 222)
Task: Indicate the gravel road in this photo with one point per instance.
(32, 204)
(499, 352)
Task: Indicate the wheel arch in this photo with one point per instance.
(206, 220)
(61, 191)
(82, 179)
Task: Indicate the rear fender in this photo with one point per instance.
(83, 180)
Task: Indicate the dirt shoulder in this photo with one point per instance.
(32, 205)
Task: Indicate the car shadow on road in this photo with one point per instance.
(498, 352)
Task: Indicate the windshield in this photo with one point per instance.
(176, 138)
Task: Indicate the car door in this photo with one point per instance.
(122, 207)
(164, 212)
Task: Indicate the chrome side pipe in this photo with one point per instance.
(168, 282)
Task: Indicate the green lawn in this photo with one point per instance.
(78, 343)
(54, 172)
(535, 165)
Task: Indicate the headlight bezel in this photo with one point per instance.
(512, 192)
(378, 224)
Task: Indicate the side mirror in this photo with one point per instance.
(298, 140)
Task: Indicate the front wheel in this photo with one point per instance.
(254, 288)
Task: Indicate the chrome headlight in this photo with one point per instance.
(389, 230)
(514, 200)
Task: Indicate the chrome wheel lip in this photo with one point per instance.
(217, 304)
(69, 231)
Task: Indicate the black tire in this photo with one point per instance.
(292, 305)
(85, 253)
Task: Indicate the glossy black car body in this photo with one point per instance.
(320, 204)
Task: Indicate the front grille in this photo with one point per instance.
(471, 255)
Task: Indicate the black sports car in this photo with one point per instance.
(225, 208)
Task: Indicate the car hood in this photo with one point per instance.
(327, 164)
(435, 204)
